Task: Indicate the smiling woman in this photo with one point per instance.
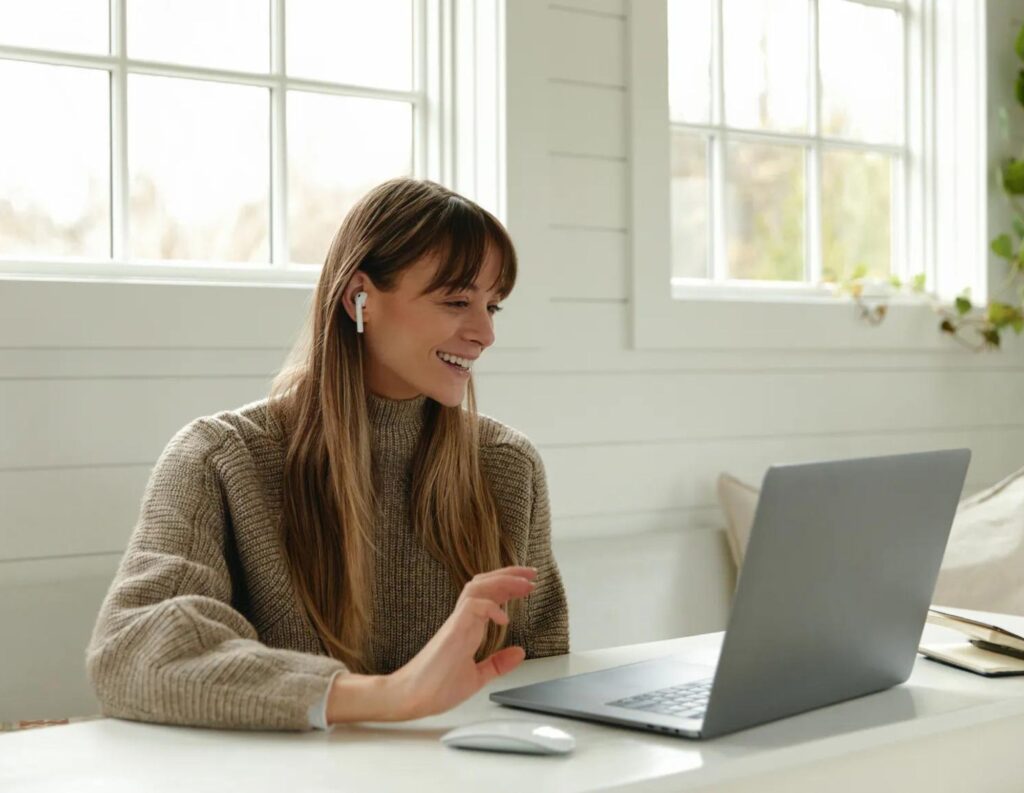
(343, 549)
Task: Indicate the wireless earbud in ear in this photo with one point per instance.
(360, 302)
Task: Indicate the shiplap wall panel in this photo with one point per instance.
(612, 7)
(589, 265)
(152, 362)
(609, 407)
(55, 314)
(97, 508)
(111, 421)
(47, 612)
(645, 591)
(588, 48)
(586, 119)
(588, 192)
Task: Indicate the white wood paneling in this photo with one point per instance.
(47, 612)
(588, 264)
(588, 192)
(612, 7)
(585, 119)
(587, 48)
(661, 406)
(107, 421)
(621, 591)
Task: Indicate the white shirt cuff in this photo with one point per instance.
(318, 710)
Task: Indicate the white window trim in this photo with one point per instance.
(947, 182)
(444, 59)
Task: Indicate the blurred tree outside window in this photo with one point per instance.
(787, 119)
(206, 132)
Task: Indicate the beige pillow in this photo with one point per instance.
(983, 567)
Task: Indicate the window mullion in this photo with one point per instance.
(812, 158)
(279, 253)
(717, 249)
(119, 187)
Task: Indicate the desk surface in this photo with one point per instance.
(935, 728)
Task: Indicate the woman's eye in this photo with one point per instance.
(493, 309)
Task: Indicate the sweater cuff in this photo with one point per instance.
(318, 710)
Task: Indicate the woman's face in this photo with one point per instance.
(405, 332)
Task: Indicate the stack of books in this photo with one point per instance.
(988, 648)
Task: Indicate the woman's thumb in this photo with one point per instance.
(500, 663)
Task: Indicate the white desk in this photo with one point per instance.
(944, 730)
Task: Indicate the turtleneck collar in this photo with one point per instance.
(400, 416)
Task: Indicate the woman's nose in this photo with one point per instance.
(481, 329)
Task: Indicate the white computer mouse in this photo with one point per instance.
(511, 735)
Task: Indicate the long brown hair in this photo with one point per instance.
(330, 497)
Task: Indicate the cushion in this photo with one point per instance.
(983, 567)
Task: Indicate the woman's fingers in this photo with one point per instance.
(498, 588)
(500, 663)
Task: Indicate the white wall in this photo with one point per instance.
(94, 379)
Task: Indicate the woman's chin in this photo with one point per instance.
(449, 397)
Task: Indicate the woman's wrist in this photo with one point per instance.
(355, 697)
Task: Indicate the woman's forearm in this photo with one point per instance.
(356, 697)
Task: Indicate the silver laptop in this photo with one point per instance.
(830, 604)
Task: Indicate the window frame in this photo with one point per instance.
(433, 145)
(725, 314)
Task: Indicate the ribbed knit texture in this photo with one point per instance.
(201, 625)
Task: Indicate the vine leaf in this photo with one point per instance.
(1002, 246)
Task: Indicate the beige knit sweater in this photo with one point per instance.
(201, 625)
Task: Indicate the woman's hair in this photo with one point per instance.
(331, 498)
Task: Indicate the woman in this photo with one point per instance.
(343, 549)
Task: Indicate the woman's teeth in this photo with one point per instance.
(454, 360)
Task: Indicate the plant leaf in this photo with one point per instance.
(894, 281)
(1013, 176)
(919, 282)
(858, 272)
(1002, 246)
(991, 337)
(947, 327)
(963, 305)
(1019, 45)
(1003, 314)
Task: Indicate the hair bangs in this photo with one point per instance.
(467, 234)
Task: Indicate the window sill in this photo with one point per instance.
(771, 292)
(186, 273)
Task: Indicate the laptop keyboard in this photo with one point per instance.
(687, 701)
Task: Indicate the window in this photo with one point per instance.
(789, 145)
(229, 135)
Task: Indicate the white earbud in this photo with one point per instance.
(360, 302)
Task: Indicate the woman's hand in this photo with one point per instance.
(444, 672)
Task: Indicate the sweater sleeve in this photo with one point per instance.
(168, 646)
(547, 610)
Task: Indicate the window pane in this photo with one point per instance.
(351, 41)
(765, 64)
(217, 34)
(856, 214)
(764, 200)
(338, 148)
(689, 60)
(54, 175)
(689, 206)
(198, 162)
(78, 25)
(861, 98)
